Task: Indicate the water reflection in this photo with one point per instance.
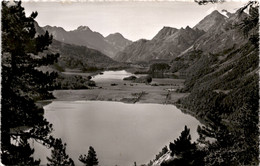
(111, 75)
(120, 133)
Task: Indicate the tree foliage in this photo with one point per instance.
(184, 152)
(182, 144)
(23, 82)
(164, 151)
(20, 154)
(58, 155)
(90, 159)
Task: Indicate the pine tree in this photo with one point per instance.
(183, 143)
(184, 152)
(22, 83)
(91, 159)
(23, 154)
(59, 156)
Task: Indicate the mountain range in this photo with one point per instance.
(167, 44)
(211, 34)
(84, 36)
(74, 56)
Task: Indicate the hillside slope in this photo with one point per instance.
(224, 93)
(210, 21)
(118, 41)
(78, 57)
(219, 37)
(222, 35)
(81, 57)
(167, 44)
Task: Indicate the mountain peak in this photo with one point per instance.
(211, 20)
(164, 32)
(188, 28)
(48, 27)
(115, 35)
(167, 28)
(83, 28)
(118, 41)
(215, 12)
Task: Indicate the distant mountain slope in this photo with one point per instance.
(81, 57)
(221, 35)
(167, 44)
(84, 36)
(133, 51)
(165, 32)
(224, 36)
(118, 41)
(78, 57)
(212, 34)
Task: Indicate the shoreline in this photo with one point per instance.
(68, 95)
(160, 91)
(156, 96)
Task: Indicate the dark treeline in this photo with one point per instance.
(23, 83)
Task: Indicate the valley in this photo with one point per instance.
(192, 68)
(112, 88)
(188, 94)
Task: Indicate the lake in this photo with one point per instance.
(120, 133)
(111, 76)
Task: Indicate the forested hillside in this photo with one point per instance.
(224, 93)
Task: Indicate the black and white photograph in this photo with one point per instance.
(130, 83)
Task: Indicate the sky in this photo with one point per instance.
(133, 19)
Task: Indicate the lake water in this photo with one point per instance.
(120, 133)
(108, 76)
